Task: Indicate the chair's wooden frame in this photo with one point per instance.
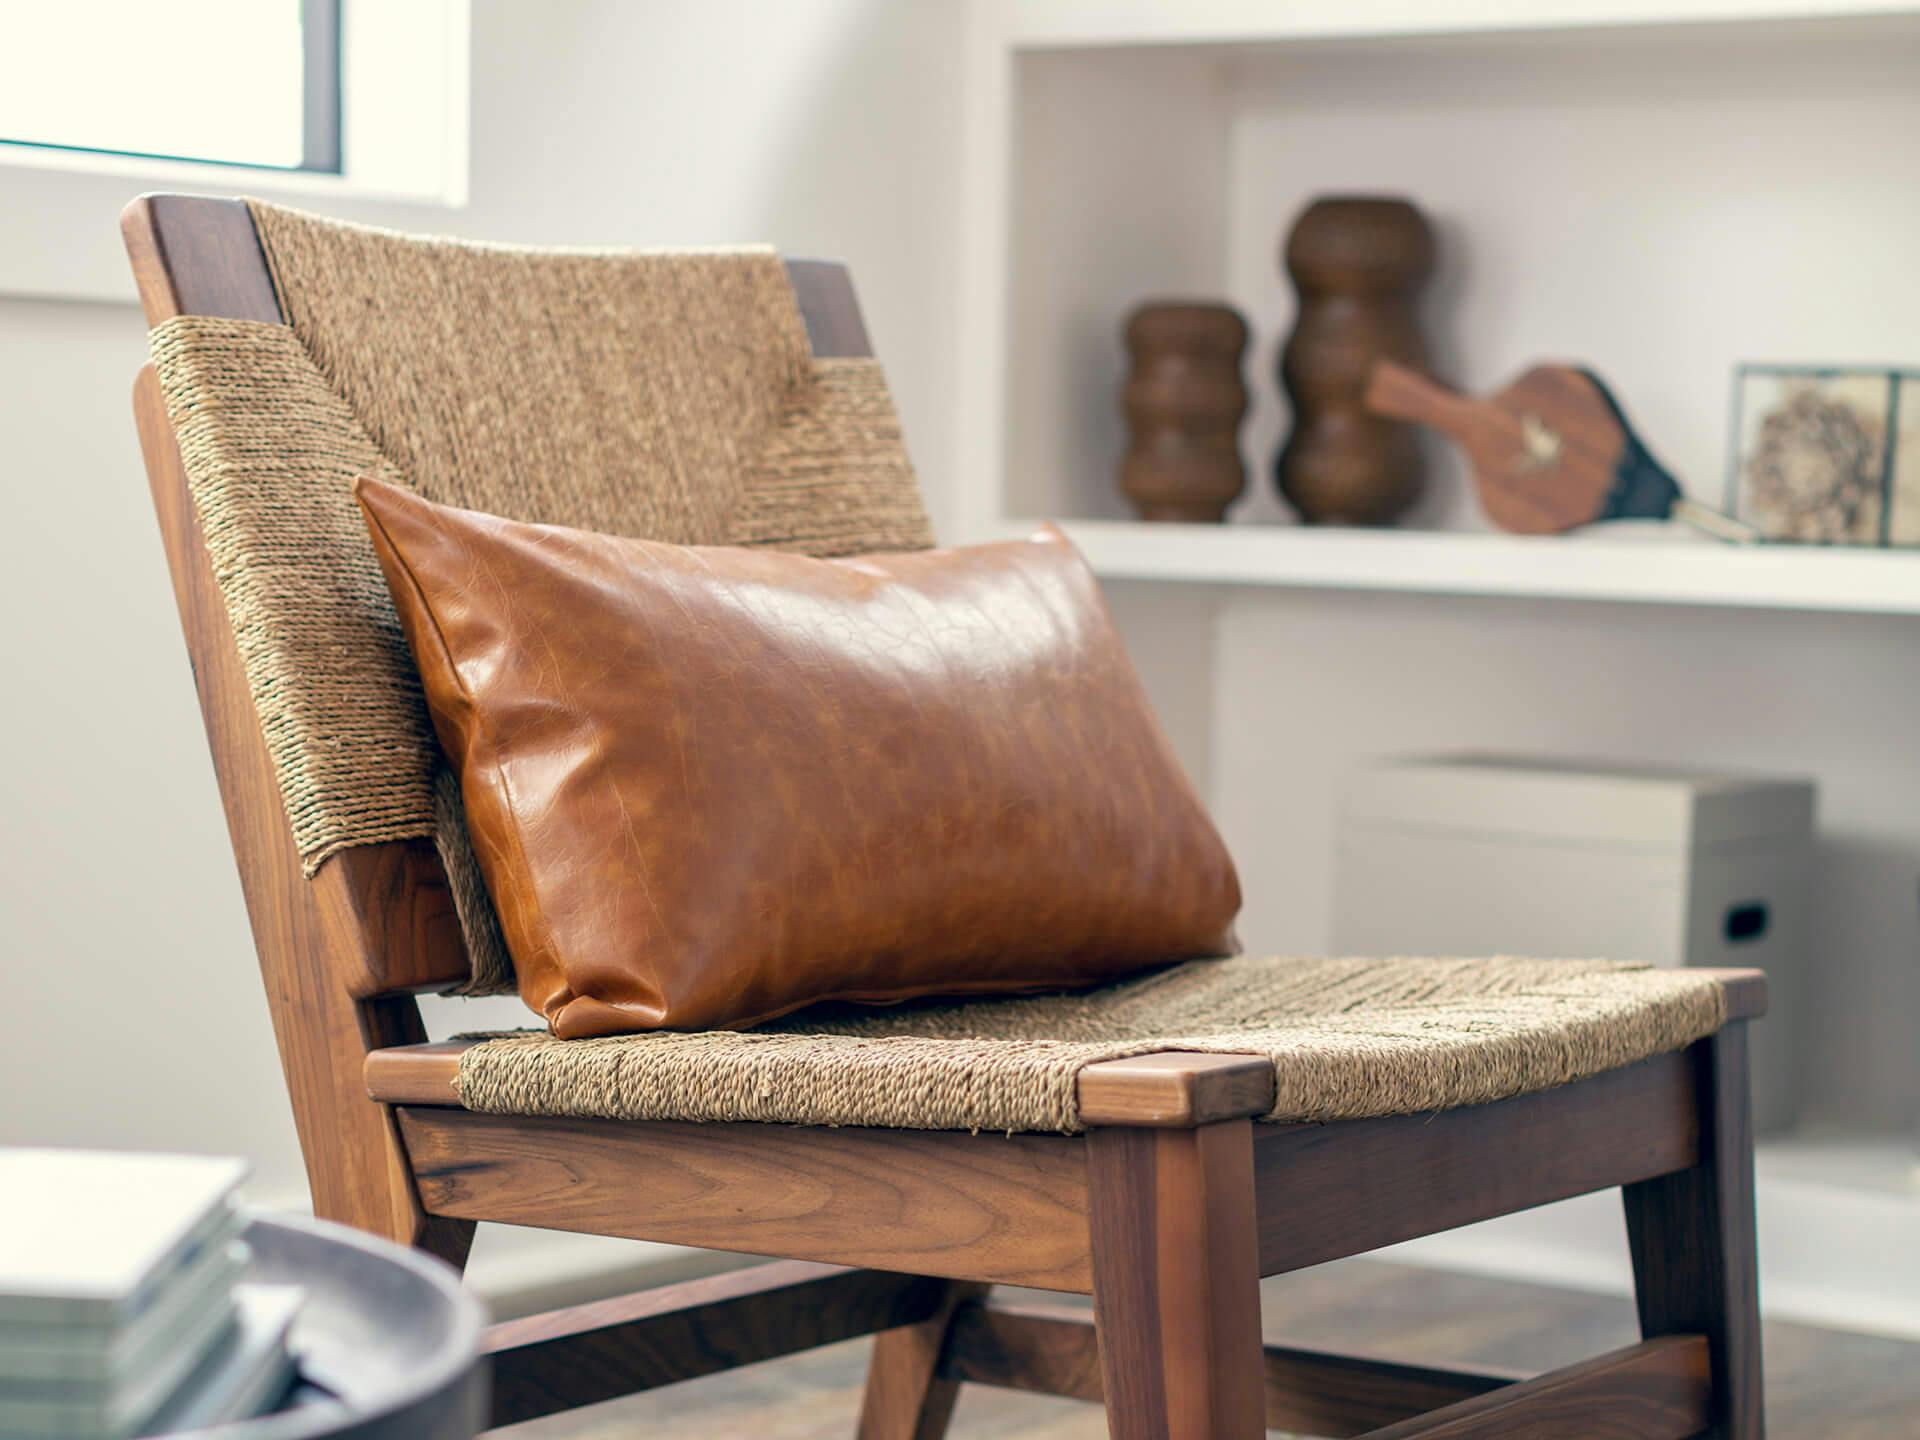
(1167, 1211)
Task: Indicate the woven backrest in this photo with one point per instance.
(669, 396)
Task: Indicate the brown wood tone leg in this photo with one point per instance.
(1176, 1282)
(1692, 1235)
(906, 1397)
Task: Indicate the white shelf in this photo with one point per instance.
(1088, 24)
(1645, 565)
(1548, 139)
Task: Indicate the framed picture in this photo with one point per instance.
(1827, 455)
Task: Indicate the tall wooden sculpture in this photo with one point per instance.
(1358, 263)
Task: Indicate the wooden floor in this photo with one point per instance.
(1821, 1384)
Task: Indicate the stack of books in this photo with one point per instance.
(122, 1308)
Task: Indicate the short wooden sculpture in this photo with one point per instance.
(1184, 402)
(1358, 263)
(1551, 451)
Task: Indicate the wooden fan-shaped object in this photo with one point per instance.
(1551, 451)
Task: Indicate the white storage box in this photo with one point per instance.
(1485, 855)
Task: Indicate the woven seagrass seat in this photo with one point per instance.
(1347, 1039)
(1105, 1142)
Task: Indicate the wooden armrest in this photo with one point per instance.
(1170, 1090)
(1176, 1090)
(415, 1074)
(1746, 992)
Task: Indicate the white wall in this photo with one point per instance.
(134, 1016)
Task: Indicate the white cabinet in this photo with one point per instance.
(1480, 855)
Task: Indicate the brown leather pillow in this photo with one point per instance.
(708, 786)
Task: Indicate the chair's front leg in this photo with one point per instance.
(1176, 1281)
(1692, 1235)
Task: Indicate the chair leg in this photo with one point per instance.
(1692, 1236)
(906, 1399)
(1176, 1282)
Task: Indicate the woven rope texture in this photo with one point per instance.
(663, 396)
(1347, 1038)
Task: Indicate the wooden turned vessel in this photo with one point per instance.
(1183, 402)
(1358, 263)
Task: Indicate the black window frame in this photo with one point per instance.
(321, 151)
(320, 147)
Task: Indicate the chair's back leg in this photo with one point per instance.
(1692, 1235)
(906, 1398)
(1176, 1281)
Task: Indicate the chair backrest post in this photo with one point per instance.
(356, 1167)
(341, 953)
(334, 951)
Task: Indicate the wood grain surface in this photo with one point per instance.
(1327, 1191)
(1175, 1089)
(1656, 1390)
(1176, 1291)
(1693, 1240)
(996, 1208)
(831, 311)
(589, 1353)
(1821, 1384)
(1050, 1348)
(355, 1165)
(909, 1396)
(197, 255)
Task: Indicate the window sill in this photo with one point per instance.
(18, 163)
(63, 239)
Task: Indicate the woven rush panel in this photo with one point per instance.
(651, 394)
(1348, 1039)
(667, 396)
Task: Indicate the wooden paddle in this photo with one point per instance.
(1551, 451)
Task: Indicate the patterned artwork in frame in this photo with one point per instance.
(1827, 455)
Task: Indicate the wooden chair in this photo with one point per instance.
(1167, 1211)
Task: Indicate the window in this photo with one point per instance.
(228, 82)
(320, 103)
